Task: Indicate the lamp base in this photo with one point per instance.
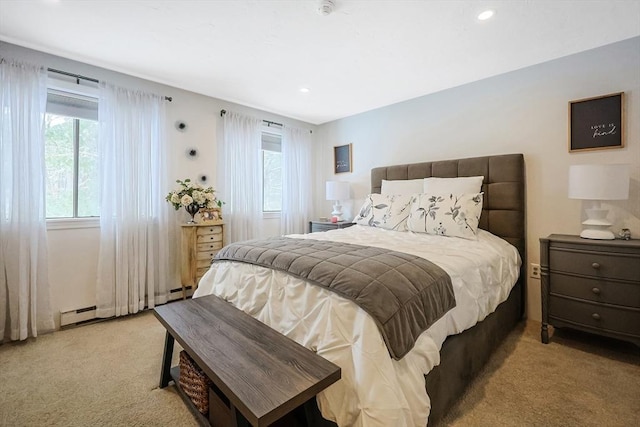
(597, 226)
(595, 234)
(337, 212)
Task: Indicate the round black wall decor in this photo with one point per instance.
(181, 126)
(192, 153)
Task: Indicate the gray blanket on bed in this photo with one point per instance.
(404, 294)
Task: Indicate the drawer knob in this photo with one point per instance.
(596, 291)
(595, 316)
(595, 265)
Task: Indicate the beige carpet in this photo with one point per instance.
(106, 374)
(103, 374)
(575, 380)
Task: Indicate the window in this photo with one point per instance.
(71, 155)
(271, 172)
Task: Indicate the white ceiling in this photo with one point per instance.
(364, 55)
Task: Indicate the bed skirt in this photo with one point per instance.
(462, 357)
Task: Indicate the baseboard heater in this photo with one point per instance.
(86, 314)
(80, 315)
(176, 290)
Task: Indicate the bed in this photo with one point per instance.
(386, 391)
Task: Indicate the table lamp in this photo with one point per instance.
(336, 191)
(597, 183)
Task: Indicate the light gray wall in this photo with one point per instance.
(524, 111)
(73, 253)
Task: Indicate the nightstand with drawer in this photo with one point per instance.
(200, 242)
(591, 285)
(327, 225)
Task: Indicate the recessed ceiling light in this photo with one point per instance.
(304, 89)
(326, 7)
(486, 15)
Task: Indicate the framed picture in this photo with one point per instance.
(342, 159)
(209, 215)
(596, 123)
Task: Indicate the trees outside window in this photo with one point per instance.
(271, 173)
(71, 160)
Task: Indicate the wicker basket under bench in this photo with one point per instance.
(194, 383)
(213, 408)
(226, 345)
(205, 401)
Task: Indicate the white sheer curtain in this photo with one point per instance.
(239, 176)
(25, 306)
(134, 248)
(297, 175)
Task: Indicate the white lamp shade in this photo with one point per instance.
(337, 190)
(599, 182)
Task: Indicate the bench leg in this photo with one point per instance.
(237, 419)
(165, 374)
(308, 414)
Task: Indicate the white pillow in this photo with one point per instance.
(446, 214)
(460, 185)
(388, 211)
(406, 186)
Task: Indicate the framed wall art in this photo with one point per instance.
(596, 123)
(342, 159)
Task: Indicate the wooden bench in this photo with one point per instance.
(259, 374)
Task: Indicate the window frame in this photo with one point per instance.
(270, 130)
(77, 90)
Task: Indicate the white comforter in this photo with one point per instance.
(374, 390)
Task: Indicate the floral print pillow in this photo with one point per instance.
(455, 215)
(388, 211)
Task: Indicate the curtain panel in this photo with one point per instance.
(25, 296)
(134, 268)
(297, 186)
(239, 173)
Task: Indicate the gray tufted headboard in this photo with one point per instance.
(503, 187)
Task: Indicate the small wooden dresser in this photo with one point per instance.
(591, 285)
(200, 242)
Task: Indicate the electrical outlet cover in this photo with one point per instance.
(535, 271)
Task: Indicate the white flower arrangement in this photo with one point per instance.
(193, 194)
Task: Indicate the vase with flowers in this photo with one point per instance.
(193, 197)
